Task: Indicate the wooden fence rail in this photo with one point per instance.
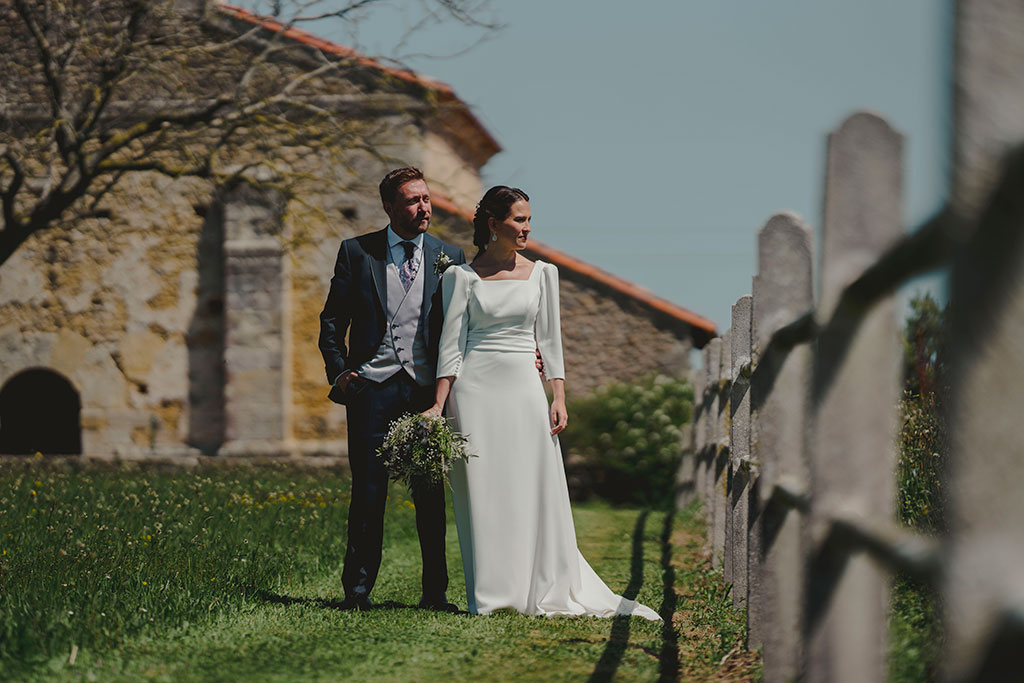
(796, 421)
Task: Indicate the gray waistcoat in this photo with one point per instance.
(403, 347)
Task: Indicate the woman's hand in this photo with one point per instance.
(444, 386)
(559, 417)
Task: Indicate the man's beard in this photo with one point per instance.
(418, 225)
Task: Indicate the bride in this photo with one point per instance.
(511, 502)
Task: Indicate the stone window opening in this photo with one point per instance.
(40, 412)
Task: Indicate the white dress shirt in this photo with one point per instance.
(396, 252)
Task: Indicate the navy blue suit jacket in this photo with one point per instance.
(357, 303)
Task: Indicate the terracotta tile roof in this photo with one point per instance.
(703, 328)
(444, 92)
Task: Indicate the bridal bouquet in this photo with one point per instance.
(420, 449)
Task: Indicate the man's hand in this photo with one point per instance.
(344, 378)
(539, 362)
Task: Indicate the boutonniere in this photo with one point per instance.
(441, 263)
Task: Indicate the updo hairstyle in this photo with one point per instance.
(497, 204)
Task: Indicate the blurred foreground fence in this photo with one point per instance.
(796, 419)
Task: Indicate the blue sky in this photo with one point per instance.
(656, 137)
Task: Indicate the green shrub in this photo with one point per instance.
(915, 628)
(924, 342)
(624, 440)
(921, 463)
(915, 633)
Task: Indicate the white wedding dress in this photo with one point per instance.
(511, 501)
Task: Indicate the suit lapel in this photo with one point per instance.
(431, 248)
(378, 268)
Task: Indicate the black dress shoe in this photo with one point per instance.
(361, 604)
(440, 605)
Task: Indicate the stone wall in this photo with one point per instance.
(189, 318)
(180, 338)
(109, 305)
(317, 225)
(187, 321)
(608, 339)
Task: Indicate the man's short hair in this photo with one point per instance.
(394, 180)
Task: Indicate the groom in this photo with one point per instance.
(383, 295)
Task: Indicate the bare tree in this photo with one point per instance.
(94, 90)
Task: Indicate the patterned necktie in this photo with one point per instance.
(407, 271)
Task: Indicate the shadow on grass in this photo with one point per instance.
(668, 658)
(611, 658)
(324, 603)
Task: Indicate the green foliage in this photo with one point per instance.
(915, 627)
(715, 645)
(93, 556)
(419, 449)
(712, 614)
(923, 431)
(921, 464)
(628, 436)
(274, 616)
(923, 346)
(915, 633)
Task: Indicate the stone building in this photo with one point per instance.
(186, 322)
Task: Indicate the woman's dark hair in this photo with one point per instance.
(497, 204)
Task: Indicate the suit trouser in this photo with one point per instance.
(371, 408)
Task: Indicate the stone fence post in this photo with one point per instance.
(783, 291)
(855, 388)
(721, 455)
(700, 428)
(711, 424)
(739, 450)
(983, 586)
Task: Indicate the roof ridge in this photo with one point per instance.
(444, 91)
(329, 47)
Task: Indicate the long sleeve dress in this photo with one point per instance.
(511, 501)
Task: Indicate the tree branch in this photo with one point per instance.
(109, 77)
(113, 87)
(10, 193)
(335, 14)
(200, 170)
(50, 74)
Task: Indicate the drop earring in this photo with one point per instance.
(494, 237)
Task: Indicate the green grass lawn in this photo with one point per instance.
(229, 573)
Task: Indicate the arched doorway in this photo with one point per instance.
(40, 413)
